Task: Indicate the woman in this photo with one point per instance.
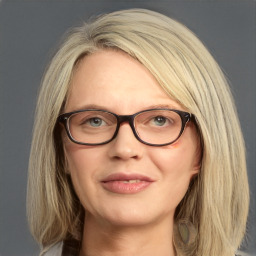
(137, 148)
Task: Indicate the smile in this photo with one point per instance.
(126, 183)
(131, 181)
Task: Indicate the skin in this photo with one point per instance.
(127, 224)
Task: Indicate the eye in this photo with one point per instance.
(159, 121)
(95, 122)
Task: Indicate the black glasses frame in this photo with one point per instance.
(185, 118)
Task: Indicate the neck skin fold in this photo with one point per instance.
(105, 239)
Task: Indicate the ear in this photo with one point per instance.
(195, 169)
(197, 164)
(198, 158)
(194, 172)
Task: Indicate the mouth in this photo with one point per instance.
(121, 183)
(130, 181)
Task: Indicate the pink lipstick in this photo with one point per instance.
(126, 183)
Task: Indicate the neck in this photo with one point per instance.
(113, 240)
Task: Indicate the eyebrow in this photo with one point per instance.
(100, 107)
(169, 106)
(91, 106)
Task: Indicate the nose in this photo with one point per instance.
(125, 146)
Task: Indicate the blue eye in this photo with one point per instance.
(160, 120)
(96, 122)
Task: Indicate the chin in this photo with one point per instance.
(132, 216)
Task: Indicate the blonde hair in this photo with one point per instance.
(217, 200)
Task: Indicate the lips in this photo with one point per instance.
(121, 183)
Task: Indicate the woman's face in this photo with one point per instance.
(114, 81)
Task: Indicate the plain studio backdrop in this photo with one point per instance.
(29, 33)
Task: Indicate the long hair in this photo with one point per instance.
(218, 198)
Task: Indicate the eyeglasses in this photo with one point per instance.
(154, 127)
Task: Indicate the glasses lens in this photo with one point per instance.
(92, 127)
(158, 126)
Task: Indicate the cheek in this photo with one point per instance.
(76, 158)
(175, 159)
(175, 165)
(80, 158)
(82, 167)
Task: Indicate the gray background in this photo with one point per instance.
(29, 30)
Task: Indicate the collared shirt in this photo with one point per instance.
(59, 250)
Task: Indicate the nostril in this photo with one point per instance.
(125, 154)
(125, 145)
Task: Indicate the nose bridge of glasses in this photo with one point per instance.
(125, 119)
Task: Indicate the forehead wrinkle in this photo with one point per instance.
(124, 97)
(110, 109)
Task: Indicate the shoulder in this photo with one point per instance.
(240, 253)
(64, 248)
(55, 250)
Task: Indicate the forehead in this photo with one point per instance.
(116, 81)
